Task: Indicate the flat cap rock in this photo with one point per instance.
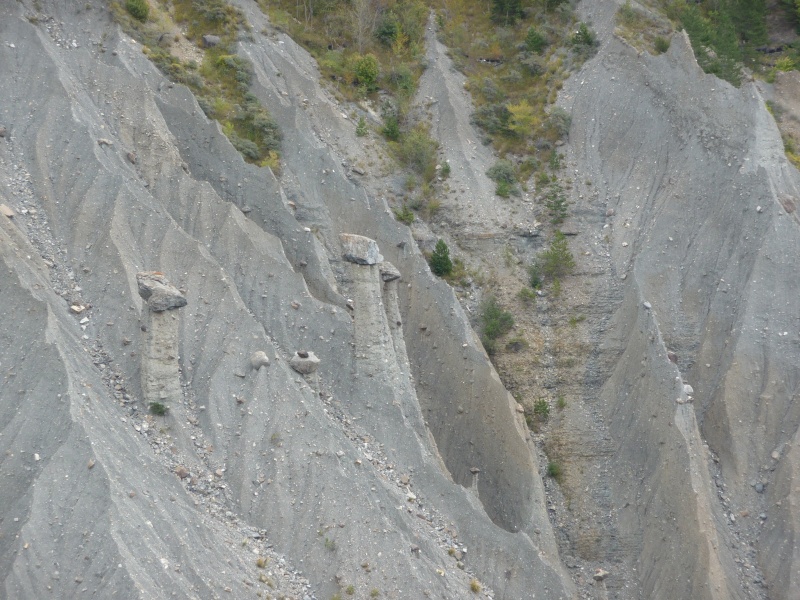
(304, 362)
(209, 41)
(388, 271)
(359, 249)
(159, 293)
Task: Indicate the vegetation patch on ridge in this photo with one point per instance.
(515, 57)
(218, 77)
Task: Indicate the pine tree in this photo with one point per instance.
(506, 12)
(557, 260)
(138, 9)
(441, 264)
(361, 128)
(556, 203)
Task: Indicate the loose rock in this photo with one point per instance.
(600, 574)
(304, 362)
(259, 359)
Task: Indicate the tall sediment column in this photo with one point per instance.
(161, 381)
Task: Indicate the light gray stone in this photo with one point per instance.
(359, 249)
(259, 359)
(389, 272)
(304, 362)
(158, 292)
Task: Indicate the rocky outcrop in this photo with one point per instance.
(359, 249)
(161, 380)
(158, 292)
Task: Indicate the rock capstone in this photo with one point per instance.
(359, 249)
(600, 574)
(158, 292)
(209, 41)
(389, 272)
(304, 362)
(259, 359)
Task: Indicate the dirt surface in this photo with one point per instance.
(402, 465)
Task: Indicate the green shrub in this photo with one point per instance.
(496, 321)
(556, 203)
(502, 170)
(506, 12)
(432, 208)
(248, 148)
(517, 344)
(138, 9)
(404, 215)
(627, 15)
(492, 118)
(559, 121)
(584, 36)
(367, 71)
(556, 161)
(535, 41)
(440, 262)
(541, 409)
(361, 128)
(661, 44)
(535, 275)
(445, 170)
(503, 189)
(387, 29)
(573, 321)
(717, 39)
(502, 173)
(391, 129)
(417, 151)
(557, 261)
(402, 79)
(527, 296)
(159, 409)
(554, 470)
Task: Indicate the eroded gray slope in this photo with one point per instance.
(347, 454)
(695, 174)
